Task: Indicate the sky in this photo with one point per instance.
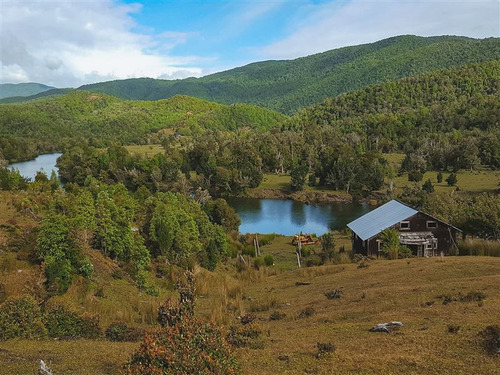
(68, 43)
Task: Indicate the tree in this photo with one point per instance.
(439, 177)
(327, 246)
(427, 186)
(298, 176)
(390, 243)
(415, 176)
(452, 179)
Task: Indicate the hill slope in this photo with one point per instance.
(287, 86)
(22, 89)
(84, 114)
(403, 111)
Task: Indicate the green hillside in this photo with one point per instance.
(287, 86)
(22, 89)
(402, 113)
(86, 115)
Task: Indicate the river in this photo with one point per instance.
(290, 217)
(45, 163)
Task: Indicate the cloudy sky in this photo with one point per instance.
(67, 43)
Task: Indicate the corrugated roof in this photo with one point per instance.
(380, 218)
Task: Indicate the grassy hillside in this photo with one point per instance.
(84, 114)
(287, 86)
(22, 89)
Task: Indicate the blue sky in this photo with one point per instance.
(70, 43)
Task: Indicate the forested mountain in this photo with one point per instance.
(287, 86)
(22, 89)
(102, 118)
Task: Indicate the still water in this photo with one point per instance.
(45, 163)
(289, 217)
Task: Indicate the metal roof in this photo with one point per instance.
(380, 218)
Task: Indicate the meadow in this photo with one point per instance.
(444, 304)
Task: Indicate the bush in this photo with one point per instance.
(453, 328)
(258, 262)
(452, 179)
(269, 260)
(334, 294)
(491, 337)
(189, 347)
(415, 176)
(120, 332)
(276, 315)
(63, 323)
(324, 348)
(307, 312)
(21, 318)
(240, 337)
(305, 252)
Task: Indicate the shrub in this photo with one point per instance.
(189, 347)
(334, 294)
(240, 337)
(307, 312)
(248, 318)
(121, 332)
(324, 348)
(269, 260)
(258, 262)
(428, 187)
(453, 328)
(276, 315)
(491, 337)
(415, 176)
(21, 318)
(452, 179)
(63, 323)
(305, 252)
(313, 262)
(183, 344)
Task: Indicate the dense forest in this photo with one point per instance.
(287, 86)
(102, 119)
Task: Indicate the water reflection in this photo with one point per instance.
(290, 217)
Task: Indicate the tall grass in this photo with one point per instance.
(479, 247)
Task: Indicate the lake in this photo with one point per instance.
(290, 217)
(45, 162)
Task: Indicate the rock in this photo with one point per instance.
(384, 327)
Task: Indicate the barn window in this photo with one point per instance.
(404, 225)
(432, 224)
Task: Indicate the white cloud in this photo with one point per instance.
(70, 43)
(337, 24)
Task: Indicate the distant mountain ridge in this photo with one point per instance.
(289, 85)
(8, 90)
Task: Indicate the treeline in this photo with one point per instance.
(228, 163)
(131, 228)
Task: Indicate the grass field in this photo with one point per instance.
(406, 290)
(476, 181)
(146, 150)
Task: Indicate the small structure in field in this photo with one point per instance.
(423, 234)
(305, 239)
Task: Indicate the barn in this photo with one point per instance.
(422, 233)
